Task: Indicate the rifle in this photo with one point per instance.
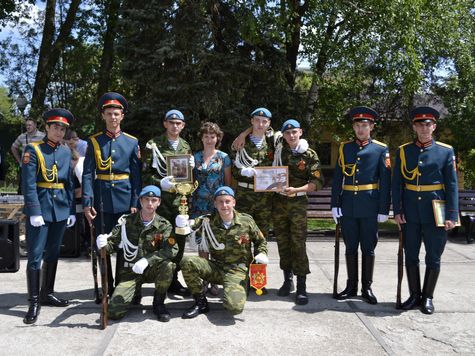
(337, 260)
(104, 277)
(97, 296)
(400, 269)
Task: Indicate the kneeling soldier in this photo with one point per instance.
(229, 235)
(148, 250)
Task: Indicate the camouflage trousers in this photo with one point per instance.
(159, 273)
(234, 278)
(258, 205)
(290, 227)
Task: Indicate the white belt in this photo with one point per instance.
(128, 264)
(246, 185)
(298, 194)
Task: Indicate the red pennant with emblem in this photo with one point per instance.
(388, 161)
(258, 277)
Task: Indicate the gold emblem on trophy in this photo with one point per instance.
(185, 189)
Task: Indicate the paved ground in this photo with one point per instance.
(270, 325)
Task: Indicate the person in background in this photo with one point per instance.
(75, 143)
(212, 170)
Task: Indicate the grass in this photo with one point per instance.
(8, 188)
(329, 224)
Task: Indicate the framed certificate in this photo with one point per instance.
(439, 213)
(271, 179)
(179, 167)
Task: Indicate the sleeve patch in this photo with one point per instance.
(26, 158)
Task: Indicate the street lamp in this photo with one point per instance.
(21, 103)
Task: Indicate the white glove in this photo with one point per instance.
(71, 220)
(248, 172)
(382, 218)
(336, 213)
(191, 162)
(302, 146)
(182, 225)
(101, 240)
(262, 259)
(166, 184)
(36, 220)
(140, 265)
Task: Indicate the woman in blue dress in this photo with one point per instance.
(212, 170)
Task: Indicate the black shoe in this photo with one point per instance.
(200, 307)
(301, 297)
(177, 288)
(47, 296)
(413, 302)
(349, 292)
(288, 285)
(430, 281)
(33, 284)
(426, 306)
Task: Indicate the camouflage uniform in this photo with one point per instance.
(290, 212)
(170, 201)
(229, 266)
(155, 244)
(258, 205)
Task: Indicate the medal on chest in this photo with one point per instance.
(301, 165)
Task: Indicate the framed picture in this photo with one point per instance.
(271, 179)
(179, 167)
(439, 213)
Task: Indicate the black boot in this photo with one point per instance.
(33, 284)
(352, 281)
(301, 295)
(176, 287)
(430, 281)
(159, 308)
(288, 285)
(47, 286)
(200, 307)
(367, 269)
(137, 299)
(414, 281)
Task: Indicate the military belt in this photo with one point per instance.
(128, 264)
(298, 194)
(425, 187)
(356, 188)
(50, 185)
(246, 185)
(112, 176)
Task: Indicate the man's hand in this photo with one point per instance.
(239, 142)
(262, 259)
(140, 265)
(71, 221)
(133, 210)
(302, 146)
(101, 240)
(248, 172)
(36, 220)
(400, 219)
(182, 225)
(336, 213)
(90, 214)
(166, 183)
(449, 225)
(191, 162)
(382, 218)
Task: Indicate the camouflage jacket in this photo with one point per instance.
(303, 167)
(237, 239)
(153, 241)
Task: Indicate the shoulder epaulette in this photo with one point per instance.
(126, 134)
(443, 144)
(405, 144)
(379, 143)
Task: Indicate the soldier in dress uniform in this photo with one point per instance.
(361, 199)
(425, 171)
(48, 191)
(228, 235)
(148, 253)
(111, 180)
(167, 144)
(289, 211)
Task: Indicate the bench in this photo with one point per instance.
(467, 212)
(319, 203)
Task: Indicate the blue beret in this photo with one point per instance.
(59, 116)
(224, 190)
(174, 115)
(363, 113)
(262, 112)
(424, 113)
(150, 191)
(290, 124)
(112, 100)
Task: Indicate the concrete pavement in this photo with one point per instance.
(269, 325)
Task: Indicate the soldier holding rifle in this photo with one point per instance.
(360, 199)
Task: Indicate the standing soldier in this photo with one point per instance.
(290, 209)
(425, 171)
(48, 190)
(361, 199)
(111, 180)
(228, 235)
(148, 251)
(167, 144)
